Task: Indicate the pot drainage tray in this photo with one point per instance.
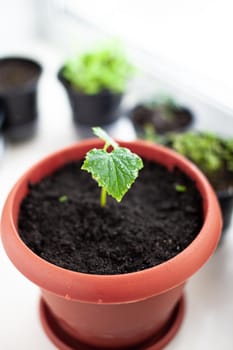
(65, 342)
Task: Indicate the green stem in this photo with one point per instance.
(103, 194)
(105, 147)
(103, 197)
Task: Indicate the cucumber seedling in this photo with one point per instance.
(114, 170)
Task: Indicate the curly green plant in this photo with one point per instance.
(208, 151)
(115, 171)
(105, 68)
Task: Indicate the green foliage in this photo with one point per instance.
(114, 171)
(228, 154)
(105, 68)
(63, 199)
(180, 188)
(208, 151)
(204, 149)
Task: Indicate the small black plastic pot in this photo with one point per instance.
(90, 110)
(226, 203)
(1, 133)
(18, 97)
(2, 119)
(142, 115)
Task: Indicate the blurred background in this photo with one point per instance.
(189, 41)
(182, 48)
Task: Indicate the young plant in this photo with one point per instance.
(114, 170)
(211, 153)
(205, 149)
(105, 68)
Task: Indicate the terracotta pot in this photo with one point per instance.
(115, 311)
(98, 109)
(18, 96)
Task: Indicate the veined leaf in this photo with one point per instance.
(115, 171)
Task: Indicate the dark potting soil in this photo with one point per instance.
(153, 223)
(178, 119)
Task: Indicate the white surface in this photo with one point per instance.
(209, 318)
(17, 22)
(191, 39)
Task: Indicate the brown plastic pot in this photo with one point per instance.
(142, 309)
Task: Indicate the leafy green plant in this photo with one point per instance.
(229, 153)
(211, 153)
(115, 171)
(105, 68)
(205, 149)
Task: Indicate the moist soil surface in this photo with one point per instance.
(15, 72)
(178, 119)
(153, 223)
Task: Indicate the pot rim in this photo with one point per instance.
(122, 288)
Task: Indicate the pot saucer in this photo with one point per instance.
(65, 342)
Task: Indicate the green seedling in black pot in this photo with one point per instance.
(95, 82)
(211, 153)
(103, 68)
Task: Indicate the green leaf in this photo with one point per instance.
(101, 68)
(63, 199)
(115, 171)
(104, 136)
(180, 188)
